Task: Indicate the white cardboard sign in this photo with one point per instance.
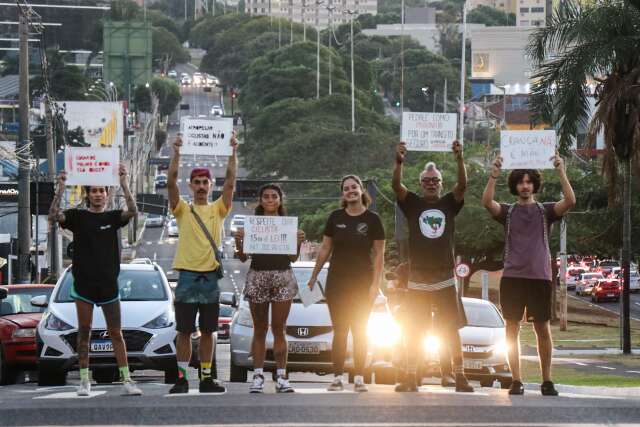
(92, 166)
(529, 149)
(270, 235)
(429, 131)
(205, 136)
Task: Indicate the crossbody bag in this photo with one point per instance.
(219, 271)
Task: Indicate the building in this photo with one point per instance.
(531, 13)
(307, 11)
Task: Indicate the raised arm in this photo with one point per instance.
(55, 213)
(239, 238)
(569, 198)
(132, 208)
(490, 190)
(323, 256)
(461, 184)
(230, 177)
(378, 266)
(172, 179)
(397, 185)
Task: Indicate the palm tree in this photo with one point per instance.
(584, 44)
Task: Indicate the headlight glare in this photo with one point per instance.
(431, 345)
(382, 330)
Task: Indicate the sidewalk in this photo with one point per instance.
(600, 392)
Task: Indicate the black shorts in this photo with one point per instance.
(95, 293)
(445, 304)
(531, 296)
(186, 317)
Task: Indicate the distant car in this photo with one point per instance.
(587, 281)
(146, 261)
(216, 110)
(161, 181)
(185, 81)
(173, 74)
(634, 282)
(606, 289)
(18, 321)
(198, 79)
(236, 222)
(154, 220)
(573, 275)
(211, 80)
(172, 228)
(224, 320)
(165, 165)
(606, 266)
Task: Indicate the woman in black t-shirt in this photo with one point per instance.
(270, 282)
(354, 238)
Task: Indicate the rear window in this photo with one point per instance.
(483, 315)
(19, 300)
(592, 276)
(134, 285)
(303, 274)
(226, 311)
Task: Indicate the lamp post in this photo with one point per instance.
(463, 72)
(351, 14)
(318, 3)
(330, 8)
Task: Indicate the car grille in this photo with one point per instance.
(323, 357)
(307, 331)
(135, 340)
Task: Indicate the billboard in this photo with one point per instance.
(102, 122)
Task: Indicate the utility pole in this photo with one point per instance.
(463, 71)
(318, 3)
(351, 14)
(24, 167)
(304, 22)
(330, 8)
(563, 274)
(55, 260)
(444, 97)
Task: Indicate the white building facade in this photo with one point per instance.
(312, 12)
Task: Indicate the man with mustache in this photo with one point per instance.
(198, 265)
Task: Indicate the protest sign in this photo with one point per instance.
(429, 131)
(205, 136)
(530, 149)
(99, 124)
(92, 166)
(270, 235)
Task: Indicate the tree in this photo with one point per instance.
(491, 17)
(66, 82)
(167, 49)
(167, 91)
(582, 43)
(160, 20)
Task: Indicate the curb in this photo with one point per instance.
(599, 392)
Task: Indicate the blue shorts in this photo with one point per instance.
(197, 287)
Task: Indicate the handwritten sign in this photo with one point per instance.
(208, 137)
(91, 166)
(531, 149)
(429, 131)
(270, 235)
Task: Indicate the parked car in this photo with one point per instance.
(587, 282)
(18, 321)
(216, 110)
(154, 220)
(236, 222)
(161, 181)
(172, 228)
(148, 326)
(224, 320)
(606, 289)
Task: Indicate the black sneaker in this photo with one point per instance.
(516, 388)
(181, 386)
(447, 381)
(548, 389)
(462, 385)
(408, 385)
(209, 385)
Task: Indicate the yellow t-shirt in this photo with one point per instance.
(194, 251)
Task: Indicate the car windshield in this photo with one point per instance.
(576, 272)
(483, 316)
(302, 277)
(609, 264)
(134, 285)
(226, 311)
(19, 300)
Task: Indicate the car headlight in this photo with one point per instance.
(501, 348)
(163, 321)
(382, 330)
(431, 344)
(54, 324)
(24, 333)
(244, 318)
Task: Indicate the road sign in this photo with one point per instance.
(11, 128)
(463, 270)
(151, 203)
(160, 161)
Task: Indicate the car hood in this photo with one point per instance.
(314, 315)
(24, 320)
(134, 314)
(474, 335)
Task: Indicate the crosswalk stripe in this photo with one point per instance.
(70, 395)
(193, 392)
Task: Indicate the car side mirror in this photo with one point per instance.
(3, 293)
(40, 301)
(229, 298)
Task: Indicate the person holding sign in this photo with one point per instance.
(526, 284)
(199, 263)
(270, 283)
(354, 238)
(95, 268)
(431, 221)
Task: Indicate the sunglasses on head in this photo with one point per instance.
(428, 180)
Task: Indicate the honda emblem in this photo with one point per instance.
(303, 332)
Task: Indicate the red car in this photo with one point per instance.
(18, 321)
(606, 289)
(224, 321)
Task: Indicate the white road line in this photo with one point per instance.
(149, 243)
(70, 395)
(155, 256)
(194, 392)
(580, 363)
(606, 367)
(162, 235)
(633, 372)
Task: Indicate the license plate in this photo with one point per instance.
(304, 347)
(472, 364)
(610, 295)
(101, 346)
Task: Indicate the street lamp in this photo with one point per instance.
(318, 3)
(351, 14)
(463, 71)
(330, 7)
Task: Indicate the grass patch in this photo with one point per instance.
(580, 335)
(563, 374)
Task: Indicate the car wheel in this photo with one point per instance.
(51, 375)
(487, 383)
(385, 376)
(238, 374)
(106, 375)
(8, 374)
(505, 383)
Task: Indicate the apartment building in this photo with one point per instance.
(317, 13)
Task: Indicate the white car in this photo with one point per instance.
(216, 110)
(172, 74)
(185, 81)
(634, 282)
(148, 326)
(154, 220)
(587, 281)
(573, 276)
(172, 228)
(236, 222)
(198, 79)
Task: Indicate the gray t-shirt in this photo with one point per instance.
(528, 256)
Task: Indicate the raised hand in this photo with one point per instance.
(457, 149)
(496, 168)
(401, 152)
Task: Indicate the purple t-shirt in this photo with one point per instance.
(528, 256)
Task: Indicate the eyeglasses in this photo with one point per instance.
(428, 180)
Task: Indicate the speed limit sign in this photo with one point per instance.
(463, 270)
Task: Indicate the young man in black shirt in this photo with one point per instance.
(96, 266)
(431, 220)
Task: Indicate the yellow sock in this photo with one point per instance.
(205, 370)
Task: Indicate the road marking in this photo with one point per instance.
(606, 367)
(634, 372)
(71, 395)
(321, 391)
(155, 256)
(580, 363)
(236, 271)
(149, 243)
(162, 235)
(194, 392)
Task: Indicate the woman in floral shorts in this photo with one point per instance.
(270, 282)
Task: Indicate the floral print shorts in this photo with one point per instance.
(270, 286)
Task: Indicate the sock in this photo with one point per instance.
(258, 371)
(281, 372)
(205, 370)
(84, 374)
(124, 373)
(182, 369)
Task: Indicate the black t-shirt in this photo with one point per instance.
(261, 262)
(351, 260)
(96, 249)
(431, 232)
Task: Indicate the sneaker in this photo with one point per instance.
(447, 381)
(283, 386)
(84, 389)
(181, 386)
(359, 385)
(516, 388)
(336, 385)
(129, 388)
(409, 385)
(257, 385)
(209, 385)
(548, 389)
(462, 385)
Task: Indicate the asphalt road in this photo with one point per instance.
(614, 307)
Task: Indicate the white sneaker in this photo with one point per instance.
(359, 385)
(84, 389)
(129, 388)
(257, 386)
(283, 386)
(336, 385)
